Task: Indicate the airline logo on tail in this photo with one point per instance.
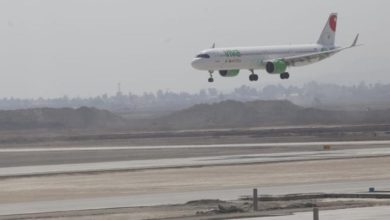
(328, 35)
(333, 22)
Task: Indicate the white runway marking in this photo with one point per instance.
(293, 144)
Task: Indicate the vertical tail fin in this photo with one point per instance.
(328, 35)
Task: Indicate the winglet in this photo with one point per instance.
(213, 46)
(355, 41)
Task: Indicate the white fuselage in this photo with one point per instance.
(252, 58)
(274, 59)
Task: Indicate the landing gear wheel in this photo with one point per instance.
(211, 79)
(253, 76)
(285, 75)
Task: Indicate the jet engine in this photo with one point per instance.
(277, 66)
(229, 73)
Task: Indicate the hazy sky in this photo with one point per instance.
(51, 48)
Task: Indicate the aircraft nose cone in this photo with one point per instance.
(195, 63)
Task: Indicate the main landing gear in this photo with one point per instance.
(253, 76)
(211, 79)
(285, 75)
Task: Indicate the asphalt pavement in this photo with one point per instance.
(181, 198)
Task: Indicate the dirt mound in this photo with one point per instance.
(63, 118)
(226, 114)
(234, 114)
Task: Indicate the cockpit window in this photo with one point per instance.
(203, 55)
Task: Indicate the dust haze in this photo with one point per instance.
(102, 116)
(50, 49)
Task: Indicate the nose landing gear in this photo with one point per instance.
(253, 76)
(211, 79)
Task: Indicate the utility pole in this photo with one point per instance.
(255, 200)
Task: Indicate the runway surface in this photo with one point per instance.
(180, 198)
(190, 162)
(375, 213)
(183, 156)
(246, 145)
(39, 156)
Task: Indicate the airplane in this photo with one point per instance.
(274, 59)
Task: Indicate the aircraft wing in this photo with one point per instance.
(305, 59)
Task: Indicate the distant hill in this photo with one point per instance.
(226, 114)
(235, 114)
(63, 118)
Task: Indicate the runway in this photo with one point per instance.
(190, 162)
(178, 156)
(60, 155)
(180, 198)
(243, 145)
